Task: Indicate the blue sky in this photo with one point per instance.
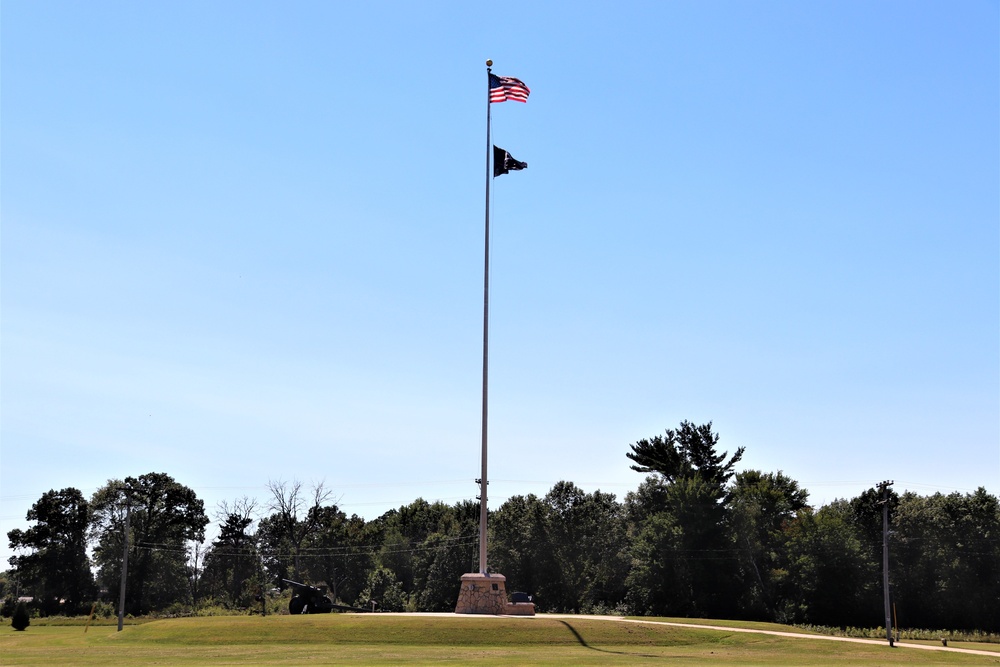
(242, 242)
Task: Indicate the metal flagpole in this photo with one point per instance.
(483, 480)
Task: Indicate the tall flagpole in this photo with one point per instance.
(483, 480)
(484, 592)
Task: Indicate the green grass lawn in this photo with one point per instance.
(979, 646)
(347, 639)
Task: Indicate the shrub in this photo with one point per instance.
(20, 620)
(7, 608)
(104, 609)
(385, 590)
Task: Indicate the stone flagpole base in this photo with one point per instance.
(486, 594)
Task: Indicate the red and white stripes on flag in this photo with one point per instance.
(503, 88)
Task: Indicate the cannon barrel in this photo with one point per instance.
(296, 584)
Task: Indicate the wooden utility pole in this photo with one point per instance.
(121, 594)
(883, 487)
(128, 492)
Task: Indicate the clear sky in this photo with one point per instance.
(243, 242)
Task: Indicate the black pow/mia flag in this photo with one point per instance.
(503, 162)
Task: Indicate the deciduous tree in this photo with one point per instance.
(295, 515)
(53, 561)
(761, 505)
(232, 566)
(165, 515)
(945, 560)
(829, 580)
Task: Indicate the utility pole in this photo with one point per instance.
(883, 487)
(128, 491)
(121, 593)
(194, 577)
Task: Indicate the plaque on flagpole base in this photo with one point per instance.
(487, 594)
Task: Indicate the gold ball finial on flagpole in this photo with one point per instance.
(489, 63)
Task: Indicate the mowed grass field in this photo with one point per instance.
(348, 639)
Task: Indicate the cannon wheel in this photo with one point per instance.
(296, 605)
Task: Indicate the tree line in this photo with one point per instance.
(695, 539)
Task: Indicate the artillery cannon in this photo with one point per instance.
(308, 599)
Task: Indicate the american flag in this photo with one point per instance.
(503, 88)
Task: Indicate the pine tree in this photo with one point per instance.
(20, 620)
